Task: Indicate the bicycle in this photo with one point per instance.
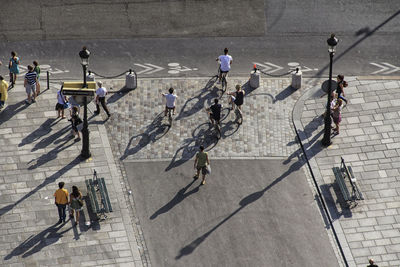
(224, 81)
(216, 124)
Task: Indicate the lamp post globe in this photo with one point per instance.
(84, 55)
(332, 43)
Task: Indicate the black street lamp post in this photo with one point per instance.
(326, 141)
(85, 153)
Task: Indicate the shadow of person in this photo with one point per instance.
(154, 131)
(196, 103)
(10, 110)
(36, 243)
(44, 142)
(48, 180)
(52, 154)
(253, 197)
(202, 135)
(178, 198)
(43, 130)
(118, 95)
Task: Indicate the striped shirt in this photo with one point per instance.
(31, 77)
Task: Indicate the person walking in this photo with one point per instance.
(341, 83)
(76, 204)
(36, 69)
(101, 93)
(3, 92)
(200, 163)
(30, 85)
(337, 114)
(13, 66)
(75, 121)
(61, 201)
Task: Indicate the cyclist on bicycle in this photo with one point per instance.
(215, 112)
(225, 64)
(170, 98)
(237, 98)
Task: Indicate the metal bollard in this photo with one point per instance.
(296, 79)
(254, 77)
(130, 80)
(48, 80)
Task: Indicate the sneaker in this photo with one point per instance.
(27, 102)
(33, 100)
(96, 113)
(77, 139)
(203, 182)
(218, 82)
(195, 177)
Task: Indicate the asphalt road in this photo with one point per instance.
(183, 38)
(249, 213)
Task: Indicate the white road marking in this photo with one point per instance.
(395, 68)
(157, 68)
(383, 68)
(143, 66)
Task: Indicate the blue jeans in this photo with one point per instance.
(61, 211)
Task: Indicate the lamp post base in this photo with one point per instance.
(84, 156)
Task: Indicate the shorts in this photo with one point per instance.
(30, 88)
(167, 108)
(337, 120)
(59, 106)
(217, 118)
(203, 169)
(223, 71)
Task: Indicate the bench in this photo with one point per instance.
(343, 172)
(98, 195)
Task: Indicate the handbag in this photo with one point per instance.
(208, 168)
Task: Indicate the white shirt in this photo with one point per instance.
(101, 92)
(60, 98)
(170, 100)
(225, 62)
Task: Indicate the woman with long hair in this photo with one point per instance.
(76, 203)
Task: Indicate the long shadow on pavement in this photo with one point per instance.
(48, 180)
(155, 131)
(36, 243)
(285, 93)
(118, 95)
(202, 135)
(207, 93)
(52, 154)
(43, 130)
(178, 198)
(188, 249)
(12, 110)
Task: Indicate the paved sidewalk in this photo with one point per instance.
(368, 141)
(36, 154)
